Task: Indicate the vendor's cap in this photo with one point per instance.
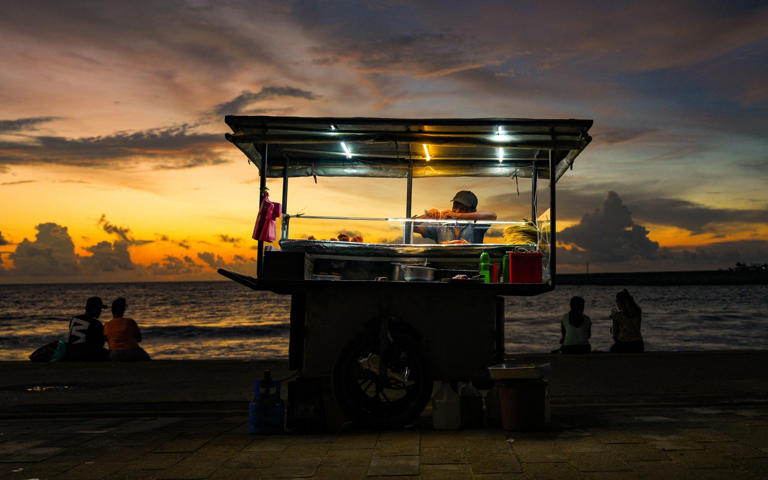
(465, 197)
(94, 303)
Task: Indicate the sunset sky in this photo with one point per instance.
(114, 166)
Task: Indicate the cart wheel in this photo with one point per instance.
(382, 384)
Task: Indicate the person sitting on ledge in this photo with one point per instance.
(123, 335)
(86, 334)
(575, 329)
(626, 325)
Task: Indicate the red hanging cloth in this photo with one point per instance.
(265, 221)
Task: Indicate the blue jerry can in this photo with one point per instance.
(267, 410)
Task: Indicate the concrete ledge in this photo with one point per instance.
(219, 386)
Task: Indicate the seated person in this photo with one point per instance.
(86, 334)
(123, 336)
(575, 329)
(464, 208)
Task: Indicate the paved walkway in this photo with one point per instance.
(586, 443)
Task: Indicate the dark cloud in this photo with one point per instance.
(3, 241)
(610, 136)
(212, 260)
(693, 217)
(714, 256)
(216, 39)
(19, 124)
(122, 232)
(51, 254)
(108, 257)
(424, 53)
(17, 182)
(609, 234)
(722, 254)
(181, 243)
(247, 98)
(171, 265)
(227, 239)
(650, 207)
(169, 147)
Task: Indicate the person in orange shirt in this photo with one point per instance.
(123, 336)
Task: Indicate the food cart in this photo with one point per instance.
(379, 322)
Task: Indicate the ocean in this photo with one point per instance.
(224, 320)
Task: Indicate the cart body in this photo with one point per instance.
(378, 339)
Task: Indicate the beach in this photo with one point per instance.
(652, 415)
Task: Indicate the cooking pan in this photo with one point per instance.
(412, 273)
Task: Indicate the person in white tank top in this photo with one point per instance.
(575, 329)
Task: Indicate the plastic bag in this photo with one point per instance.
(60, 352)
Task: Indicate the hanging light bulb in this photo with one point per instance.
(500, 151)
(346, 150)
(426, 152)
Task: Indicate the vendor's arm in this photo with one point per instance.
(472, 215)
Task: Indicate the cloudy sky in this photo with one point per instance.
(113, 163)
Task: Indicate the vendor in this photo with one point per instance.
(464, 208)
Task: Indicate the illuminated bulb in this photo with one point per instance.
(500, 136)
(426, 152)
(346, 150)
(501, 154)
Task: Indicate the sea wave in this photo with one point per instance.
(237, 331)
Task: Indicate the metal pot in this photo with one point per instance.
(418, 273)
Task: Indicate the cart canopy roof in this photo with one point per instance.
(386, 147)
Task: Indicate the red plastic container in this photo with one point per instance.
(525, 267)
(495, 272)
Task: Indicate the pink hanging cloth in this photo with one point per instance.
(265, 221)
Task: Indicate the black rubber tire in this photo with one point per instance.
(372, 400)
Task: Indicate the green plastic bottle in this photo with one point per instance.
(485, 266)
(504, 277)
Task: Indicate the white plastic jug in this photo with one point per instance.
(446, 408)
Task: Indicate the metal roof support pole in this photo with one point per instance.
(284, 223)
(534, 193)
(408, 227)
(552, 221)
(262, 191)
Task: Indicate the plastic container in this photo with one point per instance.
(492, 408)
(446, 408)
(267, 410)
(495, 272)
(524, 404)
(525, 267)
(471, 402)
(485, 267)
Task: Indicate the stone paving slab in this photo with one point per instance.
(595, 444)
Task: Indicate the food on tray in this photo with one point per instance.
(521, 234)
(341, 237)
(460, 241)
(436, 214)
(461, 276)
